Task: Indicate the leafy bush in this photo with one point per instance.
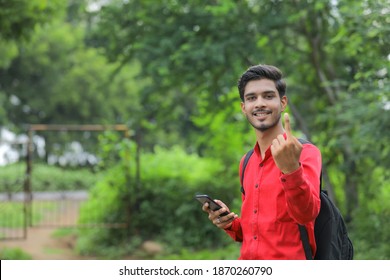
(14, 254)
(12, 177)
(163, 207)
(371, 227)
(170, 180)
(46, 178)
(12, 213)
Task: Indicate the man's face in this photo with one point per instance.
(262, 105)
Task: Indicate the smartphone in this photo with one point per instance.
(202, 198)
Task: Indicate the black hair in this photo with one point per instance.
(262, 71)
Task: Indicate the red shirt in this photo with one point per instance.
(274, 203)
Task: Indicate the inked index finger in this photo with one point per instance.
(287, 125)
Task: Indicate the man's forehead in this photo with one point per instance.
(263, 85)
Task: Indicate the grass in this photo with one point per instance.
(12, 212)
(14, 254)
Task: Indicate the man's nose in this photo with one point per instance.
(260, 102)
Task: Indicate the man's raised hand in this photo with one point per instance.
(286, 152)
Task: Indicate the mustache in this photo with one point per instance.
(261, 111)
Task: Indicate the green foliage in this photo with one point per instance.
(14, 254)
(43, 178)
(78, 81)
(19, 18)
(46, 178)
(12, 177)
(163, 207)
(371, 235)
(370, 228)
(12, 213)
(228, 134)
(8, 51)
(170, 178)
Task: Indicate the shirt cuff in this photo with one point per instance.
(234, 226)
(293, 179)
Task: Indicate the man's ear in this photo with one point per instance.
(284, 102)
(243, 107)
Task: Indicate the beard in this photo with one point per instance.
(264, 126)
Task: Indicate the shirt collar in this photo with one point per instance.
(267, 152)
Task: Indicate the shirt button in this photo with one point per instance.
(254, 237)
(255, 211)
(261, 165)
(256, 186)
(283, 180)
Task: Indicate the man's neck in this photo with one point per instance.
(265, 138)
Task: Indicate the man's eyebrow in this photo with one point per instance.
(268, 91)
(263, 92)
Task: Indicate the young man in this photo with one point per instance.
(282, 178)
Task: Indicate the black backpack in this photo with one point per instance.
(332, 240)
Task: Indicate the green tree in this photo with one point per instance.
(77, 81)
(19, 18)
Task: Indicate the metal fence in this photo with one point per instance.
(21, 210)
(46, 209)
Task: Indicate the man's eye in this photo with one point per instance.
(250, 98)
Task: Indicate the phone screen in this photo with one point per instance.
(203, 198)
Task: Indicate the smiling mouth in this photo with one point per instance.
(261, 113)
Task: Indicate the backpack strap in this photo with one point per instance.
(247, 157)
(305, 242)
(302, 228)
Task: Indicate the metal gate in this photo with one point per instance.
(47, 209)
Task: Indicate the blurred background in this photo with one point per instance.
(116, 113)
